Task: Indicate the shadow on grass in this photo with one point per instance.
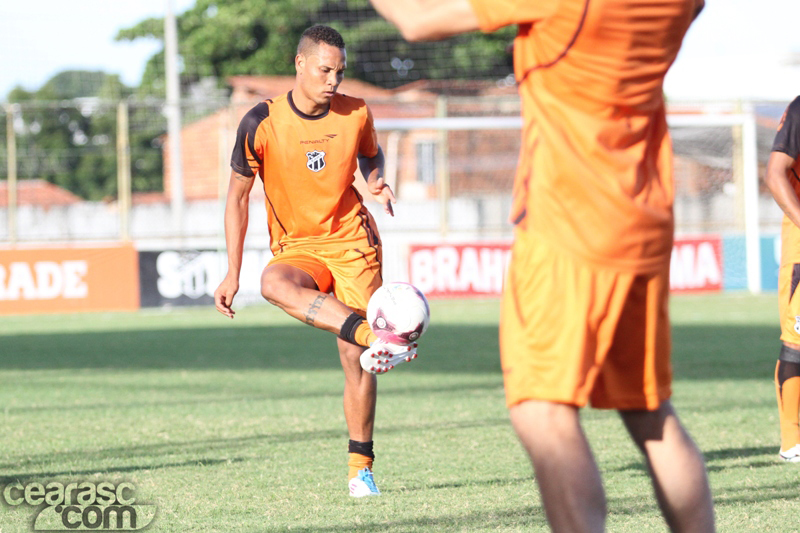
(230, 446)
(739, 453)
(523, 517)
(195, 463)
(207, 396)
(703, 352)
(241, 348)
(472, 483)
(718, 456)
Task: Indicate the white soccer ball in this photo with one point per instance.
(398, 313)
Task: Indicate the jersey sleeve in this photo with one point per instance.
(787, 140)
(368, 145)
(248, 156)
(494, 14)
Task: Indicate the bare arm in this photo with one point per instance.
(428, 20)
(779, 181)
(372, 170)
(237, 208)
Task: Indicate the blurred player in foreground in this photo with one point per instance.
(585, 311)
(306, 145)
(783, 180)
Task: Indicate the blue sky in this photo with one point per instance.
(736, 49)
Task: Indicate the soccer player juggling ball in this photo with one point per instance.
(306, 146)
(783, 180)
(585, 312)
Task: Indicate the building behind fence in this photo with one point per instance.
(86, 171)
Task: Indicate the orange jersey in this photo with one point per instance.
(787, 140)
(595, 174)
(307, 165)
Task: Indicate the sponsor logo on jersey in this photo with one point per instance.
(320, 141)
(316, 160)
(797, 324)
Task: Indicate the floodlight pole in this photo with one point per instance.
(123, 171)
(173, 113)
(11, 184)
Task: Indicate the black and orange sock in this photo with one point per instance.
(787, 388)
(360, 457)
(364, 334)
(356, 330)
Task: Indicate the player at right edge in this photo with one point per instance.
(585, 307)
(783, 180)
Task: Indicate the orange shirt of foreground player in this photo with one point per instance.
(307, 164)
(595, 174)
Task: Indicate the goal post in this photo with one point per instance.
(717, 178)
(747, 154)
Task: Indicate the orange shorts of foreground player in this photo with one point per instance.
(572, 334)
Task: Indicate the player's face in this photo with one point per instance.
(321, 72)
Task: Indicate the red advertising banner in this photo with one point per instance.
(696, 264)
(459, 270)
(478, 269)
(56, 280)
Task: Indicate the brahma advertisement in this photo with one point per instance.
(478, 269)
(118, 278)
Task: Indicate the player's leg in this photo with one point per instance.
(356, 275)
(566, 473)
(360, 395)
(787, 369)
(676, 468)
(296, 292)
(636, 379)
(551, 313)
(787, 390)
(299, 284)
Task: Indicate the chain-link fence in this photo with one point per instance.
(90, 169)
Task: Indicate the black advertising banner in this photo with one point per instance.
(190, 277)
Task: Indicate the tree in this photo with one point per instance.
(66, 132)
(258, 37)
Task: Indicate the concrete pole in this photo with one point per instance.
(442, 170)
(173, 113)
(11, 161)
(123, 172)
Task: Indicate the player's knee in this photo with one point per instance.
(349, 351)
(545, 421)
(274, 288)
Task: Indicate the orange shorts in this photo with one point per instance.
(350, 275)
(572, 333)
(789, 302)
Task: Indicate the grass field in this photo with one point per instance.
(238, 425)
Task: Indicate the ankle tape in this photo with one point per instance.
(348, 330)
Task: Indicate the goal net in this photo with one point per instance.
(453, 174)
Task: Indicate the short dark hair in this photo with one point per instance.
(315, 35)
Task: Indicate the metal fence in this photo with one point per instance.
(89, 169)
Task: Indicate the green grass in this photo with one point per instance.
(238, 425)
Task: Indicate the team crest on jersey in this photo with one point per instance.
(797, 324)
(316, 160)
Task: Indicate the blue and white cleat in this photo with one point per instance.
(363, 484)
(383, 356)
